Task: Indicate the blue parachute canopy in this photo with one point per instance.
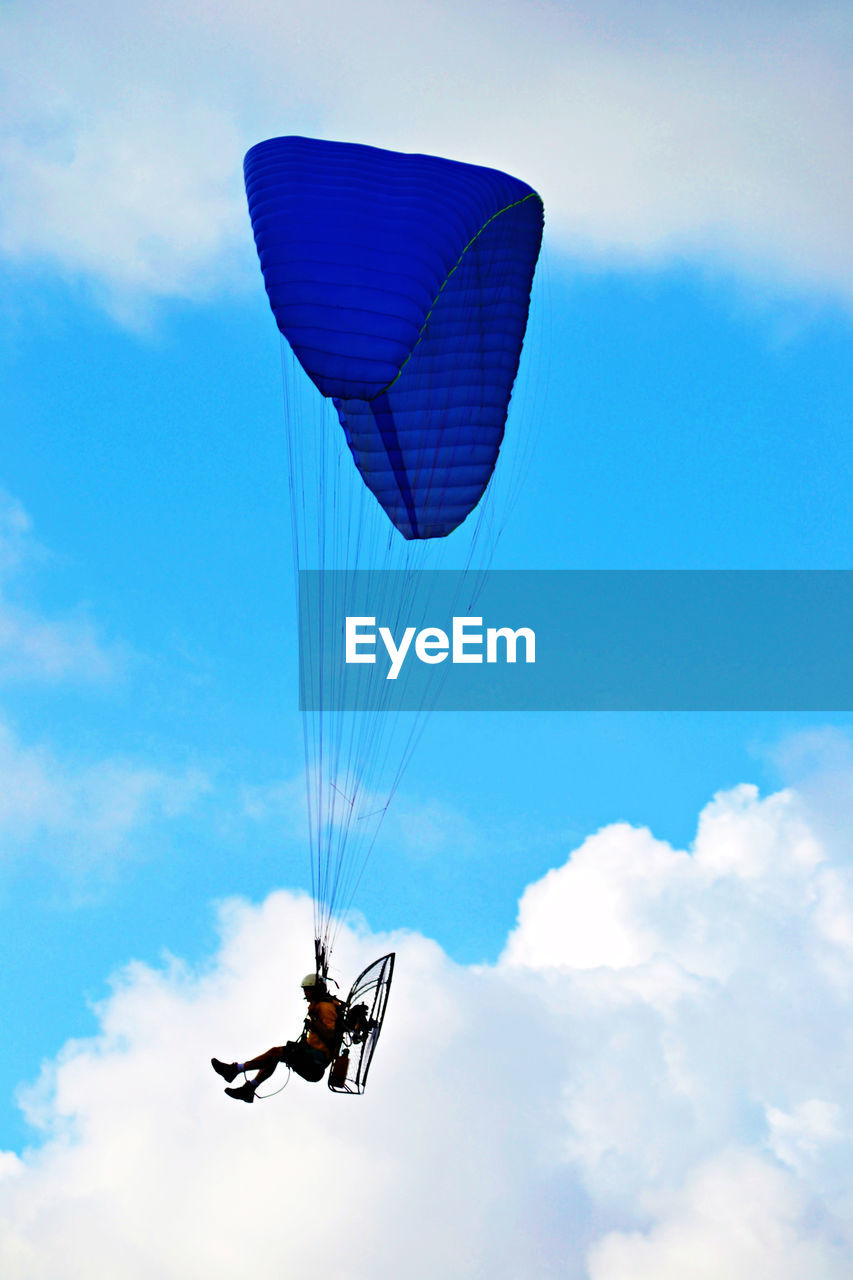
(402, 283)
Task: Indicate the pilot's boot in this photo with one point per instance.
(245, 1092)
(228, 1070)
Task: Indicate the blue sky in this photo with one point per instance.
(691, 361)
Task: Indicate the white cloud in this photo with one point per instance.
(650, 1083)
(33, 647)
(801, 1136)
(738, 1217)
(625, 899)
(701, 133)
(419, 828)
(71, 811)
(285, 803)
(16, 543)
(77, 813)
(282, 802)
(423, 829)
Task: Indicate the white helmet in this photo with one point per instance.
(311, 980)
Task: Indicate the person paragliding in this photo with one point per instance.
(309, 1056)
(336, 1032)
(401, 287)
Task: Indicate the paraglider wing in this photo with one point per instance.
(402, 283)
(362, 1022)
(401, 287)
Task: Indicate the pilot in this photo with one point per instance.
(309, 1056)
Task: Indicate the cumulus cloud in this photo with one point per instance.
(651, 900)
(651, 1082)
(738, 1217)
(664, 132)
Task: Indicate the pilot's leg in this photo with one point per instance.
(264, 1064)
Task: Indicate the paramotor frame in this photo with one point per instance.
(363, 1016)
